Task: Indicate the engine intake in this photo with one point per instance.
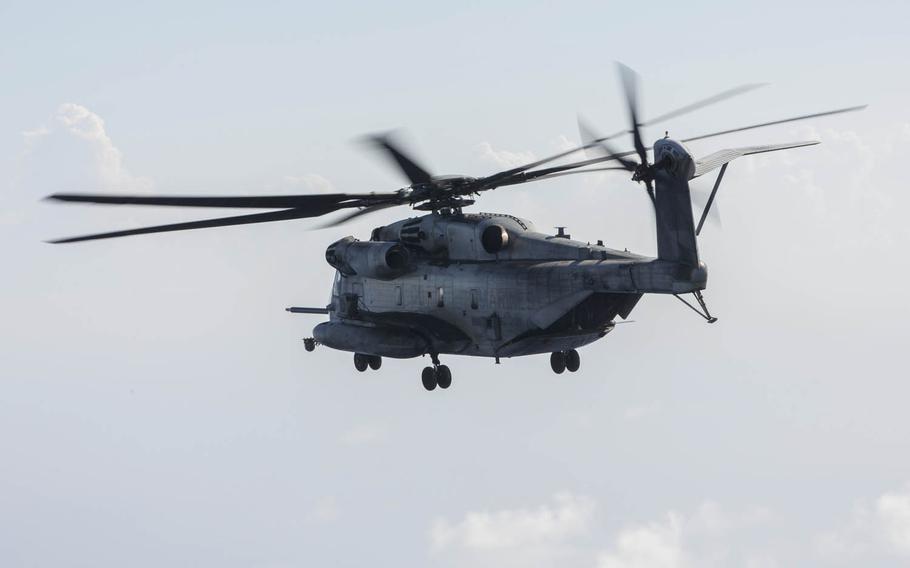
(373, 259)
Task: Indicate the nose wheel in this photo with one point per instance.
(561, 361)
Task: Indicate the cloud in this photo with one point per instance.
(652, 545)
(878, 528)
(510, 159)
(504, 158)
(569, 531)
(311, 183)
(81, 152)
(569, 515)
(842, 187)
(893, 513)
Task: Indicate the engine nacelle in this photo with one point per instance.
(494, 238)
(370, 259)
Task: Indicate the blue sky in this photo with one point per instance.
(159, 408)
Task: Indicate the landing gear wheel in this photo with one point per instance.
(309, 344)
(361, 362)
(375, 362)
(573, 361)
(558, 362)
(429, 378)
(443, 377)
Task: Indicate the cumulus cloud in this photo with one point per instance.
(843, 186)
(569, 515)
(652, 545)
(893, 512)
(511, 158)
(571, 530)
(877, 528)
(311, 183)
(504, 158)
(81, 152)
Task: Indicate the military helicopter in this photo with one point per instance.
(490, 285)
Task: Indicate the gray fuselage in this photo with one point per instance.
(459, 291)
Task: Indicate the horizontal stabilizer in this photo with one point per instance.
(721, 157)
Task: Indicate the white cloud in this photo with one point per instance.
(311, 183)
(509, 159)
(652, 545)
(73, 150)
(878, 528)
(710, 536)
(569, 531)
(568, 516)
(842, 187)
(85, 124)
(504, 158)
(893, 513)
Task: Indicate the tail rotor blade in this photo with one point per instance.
(722, 96)
(630, 88)
(590, 139)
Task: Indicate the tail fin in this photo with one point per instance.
(675, 226)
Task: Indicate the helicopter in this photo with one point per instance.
(450, 282)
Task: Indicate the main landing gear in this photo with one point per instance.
(361, 362)
(565, 361)
(437, 375)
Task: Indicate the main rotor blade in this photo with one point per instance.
(360, 212)
(523, 177)
(270, 216)
(317, 201)
(415, 173)
(549, 175)
(773, 122)
(497, 179)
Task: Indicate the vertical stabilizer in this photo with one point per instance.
(675, 226)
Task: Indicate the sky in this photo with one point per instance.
(158, 407)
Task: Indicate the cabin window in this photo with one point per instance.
(474, 299)
(440, 297)
(398, 295)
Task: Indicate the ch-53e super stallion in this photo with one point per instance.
(491, 285)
